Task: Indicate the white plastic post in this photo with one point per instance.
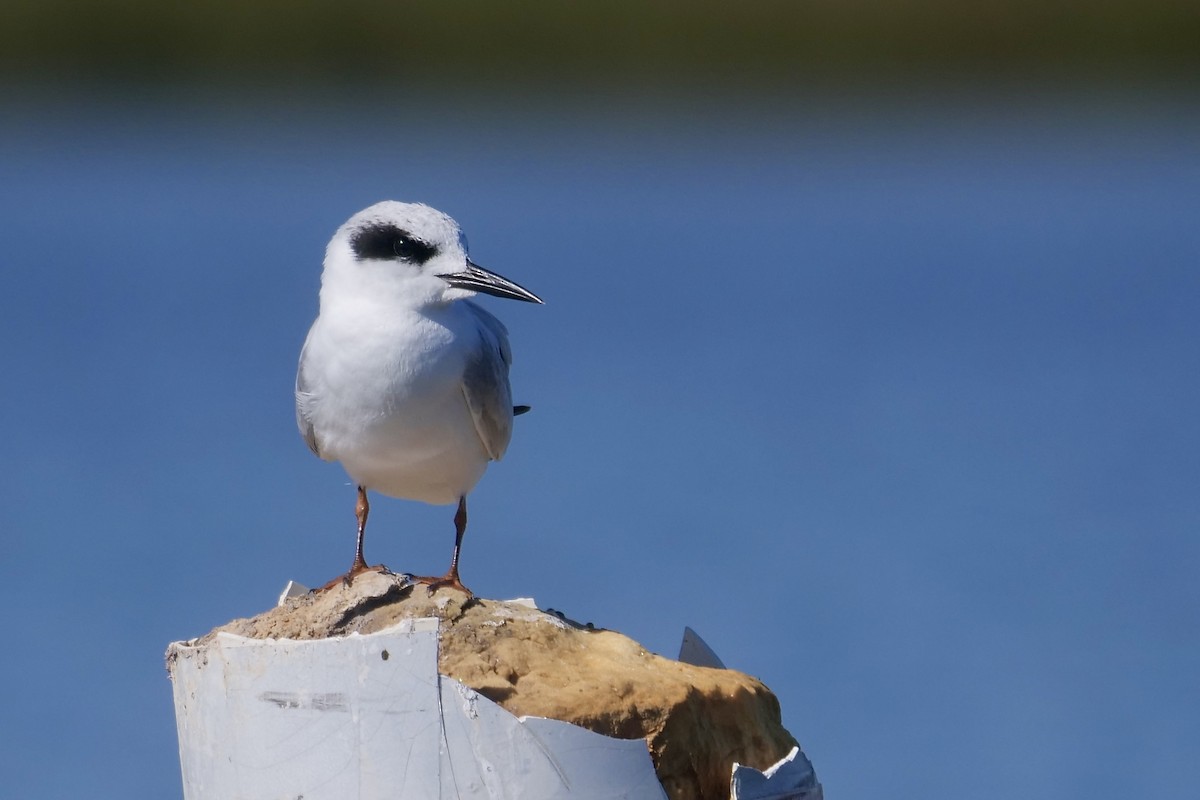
(369, 717)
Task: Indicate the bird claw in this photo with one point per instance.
(449, 580)
(347, 580)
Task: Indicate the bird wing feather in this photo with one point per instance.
(485, 383)
(302, 396)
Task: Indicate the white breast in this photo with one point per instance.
(385, 399)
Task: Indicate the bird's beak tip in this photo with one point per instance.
(478, 279)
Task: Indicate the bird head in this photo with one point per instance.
(411, 253)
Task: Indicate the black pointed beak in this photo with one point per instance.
(478, 279)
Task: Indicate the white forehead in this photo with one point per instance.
(423, 222)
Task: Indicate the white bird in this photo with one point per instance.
(402, 378)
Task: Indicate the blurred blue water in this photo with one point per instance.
(893, 399)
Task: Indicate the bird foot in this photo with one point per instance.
(358, 569)
(449, 580)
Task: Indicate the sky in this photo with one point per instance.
(891, 397)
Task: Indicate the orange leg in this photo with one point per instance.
(451, 577)
(361, 509)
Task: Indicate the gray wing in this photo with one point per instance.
(302, 397)
(485, 383)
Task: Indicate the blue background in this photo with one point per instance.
(892, 396)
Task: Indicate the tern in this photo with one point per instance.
(402, 378)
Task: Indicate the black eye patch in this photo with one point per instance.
(387, 242)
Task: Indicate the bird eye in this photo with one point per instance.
(410, 249)
(388, 242)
